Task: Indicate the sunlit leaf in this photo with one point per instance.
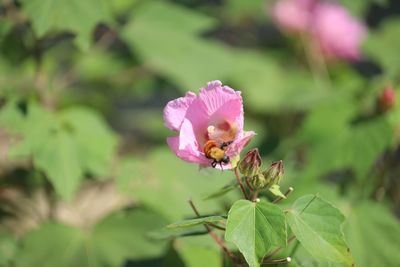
(317, 225)
(255, 228)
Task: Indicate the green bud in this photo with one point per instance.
(257, 182)
(274, 173)
(250, 165)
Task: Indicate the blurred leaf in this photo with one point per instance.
(255, 228)
(8, 248)
(11, 117)
(119, 237)
(198, 251)
(224, 190)
(357, 8)
(317, 225)
(153, 182)
(373, 234)
(366, 142)
(95, 140)
(383, 43)
(165, 233)
(65, 145)
(37, 128)
(77, 16)
(238, 9)
(336, 144)
(183, 57)
(173, 17)
(99, 65)
(60, 159)
(194, 222)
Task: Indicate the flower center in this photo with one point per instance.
(222, 132)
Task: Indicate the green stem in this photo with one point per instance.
(239, 180)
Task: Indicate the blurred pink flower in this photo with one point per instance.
(215, 113)
(337, 32)
(329, 25)
(293, 16)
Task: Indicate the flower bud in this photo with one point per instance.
(274, 173)
(257, 182)
(250, 165)
(387, 99)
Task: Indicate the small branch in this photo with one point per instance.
(266, 258)
(248, 184)
(216, 226)
(280, 261)
(237, 175)
(277, 200)
(214, 236)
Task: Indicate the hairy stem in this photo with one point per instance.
(239, 180)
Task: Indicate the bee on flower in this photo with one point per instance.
(209, 126)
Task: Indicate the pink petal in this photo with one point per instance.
(237, 146)
(199, 119)
(175, 111)
(222, 103)
(186, 146)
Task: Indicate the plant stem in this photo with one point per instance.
(216, 226)
(237, 175)
(214, 236)
(277, 200)
(280, 261)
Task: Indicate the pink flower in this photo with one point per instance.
(337, 32)
(293, 16)
(215, 114)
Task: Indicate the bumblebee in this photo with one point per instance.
(219, 138)
(216, 151)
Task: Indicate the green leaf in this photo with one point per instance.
(63, 145)
(11, 118)
(373, 235)
(224, 190)
(317, 225)
(60, 159)
(194, 222)
(118, 237)
(275, 189)
(255, 228)
(365, 144)
(383, 43)
(77, 16)
(95, 140)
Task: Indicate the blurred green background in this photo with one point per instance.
(86, 178)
